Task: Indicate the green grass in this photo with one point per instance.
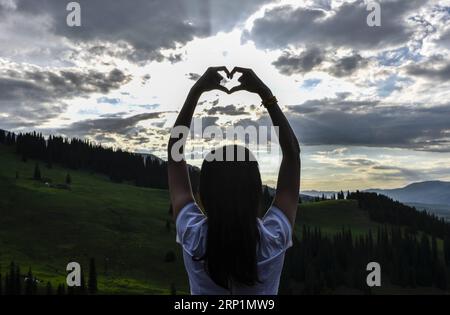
(122, 226)
(333, 215)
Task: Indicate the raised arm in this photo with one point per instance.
(288, 185)
(179, 182)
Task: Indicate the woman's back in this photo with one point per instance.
(275, 238)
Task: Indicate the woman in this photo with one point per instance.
(229, 250)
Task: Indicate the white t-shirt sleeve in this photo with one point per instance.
(191, 229)
(276, 233)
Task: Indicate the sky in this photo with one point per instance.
(369, 105)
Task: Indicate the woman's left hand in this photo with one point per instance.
(210, 80)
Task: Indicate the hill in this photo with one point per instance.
(331, 216)
(122, 226)
(126, 228)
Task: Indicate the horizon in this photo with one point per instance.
(369, 105)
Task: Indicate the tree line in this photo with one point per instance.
(13, 282)
(118, 165)
(406, 247)
(383, 209)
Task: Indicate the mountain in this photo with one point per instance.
(428, 192)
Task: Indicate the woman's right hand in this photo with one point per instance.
(250, 82)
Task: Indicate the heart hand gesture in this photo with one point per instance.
(250, 82)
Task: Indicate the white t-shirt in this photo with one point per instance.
(275, 238)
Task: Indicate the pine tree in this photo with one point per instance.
(434, 249)
(17, 281)
(49, 288)
(2, 136)
(82, 288)
(61, 289)
(29, 283)
(173, 289)
(37, 172)
(447, 250)
(92, 282)
(68, 179)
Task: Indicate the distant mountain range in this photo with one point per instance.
(430, 192)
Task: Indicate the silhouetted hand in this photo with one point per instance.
(210, 80)
(250, 82)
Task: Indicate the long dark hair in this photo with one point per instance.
(230, 192)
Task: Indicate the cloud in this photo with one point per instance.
(31, 96)
(113, 124)
(193, 76)
(68, 83)
(444, 39)
(358, 162)
(433, 69)
(289, 63)
(147, 26)
(348, 65)
(313, 58)
(343, 26)
(353, 123)
(346, 122)
(389, 172)
(226, 110)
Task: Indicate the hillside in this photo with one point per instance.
(333, 215)
(122, 226)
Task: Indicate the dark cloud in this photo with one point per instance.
(389, 172)
(354, 162)
(444, 39)
(32, 97)
(433, 70)
(193, 76)
(311, 59)
(348, 65)
(345, 122)
(148, 26)
(226, 110)
(390, 126)
(70, 83)
(114, 124)
(289, 63)
(284, 25)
